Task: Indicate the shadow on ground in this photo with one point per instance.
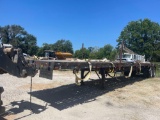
(1, 118)
(70, 95)
(19, 107)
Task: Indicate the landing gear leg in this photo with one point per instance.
(102, 72)
(82, 76)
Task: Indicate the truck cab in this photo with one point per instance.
(128, 57)
(5, 45)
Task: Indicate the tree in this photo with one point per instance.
(45, 46)
(97, 53)
(63, 45)
(60, 45)
(28, 44)
(113, 54)
(106, 52)
(18, 37)
(12, 34)
(83, 53)
(93, 52)
(142, 37)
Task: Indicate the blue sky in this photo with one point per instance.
(92, 22)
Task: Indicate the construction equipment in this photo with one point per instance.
(13, 62)
(52, 55)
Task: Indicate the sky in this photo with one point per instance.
(92, 22)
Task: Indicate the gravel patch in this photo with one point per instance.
(61, 99)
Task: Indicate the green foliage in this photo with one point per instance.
(60, 45)
(18, 37)
(142, 37)
(28, 44)
(13, 34)
(106, 52)
(82, 53)
(113, 54)
(97, 53)
(93, 52)
(41, 50)
(63, 45)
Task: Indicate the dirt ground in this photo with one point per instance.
(61, 99)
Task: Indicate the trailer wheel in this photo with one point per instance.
(147, 73)
(150, 73)
(126, 73)
(133, 73)
(1, 102)
(153, 72)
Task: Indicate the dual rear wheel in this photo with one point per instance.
(148, 73)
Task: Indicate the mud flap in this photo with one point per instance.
(46, 70)
(46, 74)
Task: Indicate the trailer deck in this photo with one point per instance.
(102, 68)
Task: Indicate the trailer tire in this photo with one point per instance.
(153, 72)
(126, 73)
(147, 73)
(133, 74)
(1, 102)
(150, 73)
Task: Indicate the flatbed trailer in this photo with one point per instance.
(12, 61)
(16, 65)
(102, 68)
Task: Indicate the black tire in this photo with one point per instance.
(133, 74)
(1, 102)
(150, 73)
(126, 73)
(147, 73)
(153, 72)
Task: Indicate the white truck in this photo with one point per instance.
(132, 57)
(127, 55)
